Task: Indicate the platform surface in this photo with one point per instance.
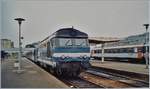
(32, 76)
(124, 66)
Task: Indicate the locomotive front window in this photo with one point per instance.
(65, 42)
(81, 42)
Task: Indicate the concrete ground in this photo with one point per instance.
(31, 77)
(137, 68)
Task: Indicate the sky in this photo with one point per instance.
(98, 18)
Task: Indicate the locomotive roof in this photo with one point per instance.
(67, 33)
(70, 32)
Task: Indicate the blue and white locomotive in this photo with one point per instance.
(66, 52)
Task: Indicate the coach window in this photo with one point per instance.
(117, 50)
(125, 50)
(113, 50)
(94, 51)
(110, 51)
(97, 51)
(130, 50)
(106, 50)
(100, 51)
(122, 50)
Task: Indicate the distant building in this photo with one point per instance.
(131, 40)
(6, 43)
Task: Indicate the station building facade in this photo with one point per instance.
(6, 43)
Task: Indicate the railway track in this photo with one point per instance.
(79, 83)
(75, 82)
(111, 80)
(96, 78)
(135, 76)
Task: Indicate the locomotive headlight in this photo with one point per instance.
(80, 56)
(85, 56)
(67, 57)
(63, 56)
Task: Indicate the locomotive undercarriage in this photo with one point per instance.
(68, 68)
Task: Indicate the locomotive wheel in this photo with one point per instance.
(58, 71)
(41, 64)
(51, 70)
(38, 63)
(75, 74)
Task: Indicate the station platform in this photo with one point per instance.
(123, 66)
(32, 76)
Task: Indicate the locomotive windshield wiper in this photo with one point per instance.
(66, 44)
(81, 44)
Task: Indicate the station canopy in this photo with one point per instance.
(101, 40)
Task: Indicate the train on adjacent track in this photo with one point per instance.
(131, 53)
(65, 52)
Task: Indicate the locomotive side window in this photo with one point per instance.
(53, 42)
(49, 49)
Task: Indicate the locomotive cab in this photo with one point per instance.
(71, 52)
(66, 51)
